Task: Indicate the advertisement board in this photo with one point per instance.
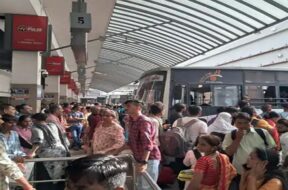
(29, 33)
(65, 78)
(55, 65)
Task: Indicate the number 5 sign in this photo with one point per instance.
(80, 22)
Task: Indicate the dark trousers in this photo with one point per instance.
(42, 174)
(235, 183)
(177, 166)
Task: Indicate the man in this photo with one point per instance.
(141, 140)
(10, 139)
(266, 109)
(246, 139)
(24, 109)
(196, 128)
(75, 120)
(282, 127)
(7, 109)
(8, 168)
(243, 103)
(56, 116)
(98, 105)
(177, 113)
(256, 122)
(96, 172)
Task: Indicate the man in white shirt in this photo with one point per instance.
(196, 128)
(246, 139)
(282, 127)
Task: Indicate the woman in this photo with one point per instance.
(23, 129)
(262, 171)
(109, 135)
(213, 170)
(48, 142)
(222, 125)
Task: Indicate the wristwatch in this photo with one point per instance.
(143, 162)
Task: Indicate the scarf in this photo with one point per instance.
(227, 173)
(222, 124)
(51, 141)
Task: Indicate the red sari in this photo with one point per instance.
(215, 178)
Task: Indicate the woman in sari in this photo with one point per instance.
(222, 125)
(262, 171)
(213, 171)
(23, 129)
(109, 135)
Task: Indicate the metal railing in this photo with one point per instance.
(131, 179)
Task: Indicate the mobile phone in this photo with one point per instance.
(246, 167)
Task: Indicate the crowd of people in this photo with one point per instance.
(237, 149)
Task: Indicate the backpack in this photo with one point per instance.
(260, 132)
(173, 142)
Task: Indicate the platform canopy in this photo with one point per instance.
(147, 34)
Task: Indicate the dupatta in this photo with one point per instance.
(227, 173)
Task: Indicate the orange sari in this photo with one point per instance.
(227, 173)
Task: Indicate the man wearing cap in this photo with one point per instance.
(141, 140)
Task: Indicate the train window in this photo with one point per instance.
(282, 77)
(226, 95)
(151, 89)
(179, 94)
(201, 95)
(284, 94)
(261, 94)
(259, 77)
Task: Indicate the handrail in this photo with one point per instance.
(150, 181)
(146, 176)
(53, 159)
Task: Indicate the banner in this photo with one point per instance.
(72, 85)
(66, 78)
(55, 65)
(29, 33)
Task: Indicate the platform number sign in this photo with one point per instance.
(80, 22)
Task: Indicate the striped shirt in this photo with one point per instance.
(208, 167)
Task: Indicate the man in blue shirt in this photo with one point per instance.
(10, 139)
(75, 120)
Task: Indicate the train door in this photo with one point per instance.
(200, 95)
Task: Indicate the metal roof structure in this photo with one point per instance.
(147, 34)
